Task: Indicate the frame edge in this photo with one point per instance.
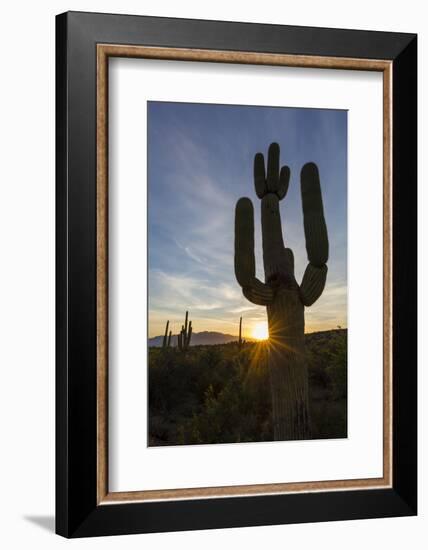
(112, 519)
(405, 274)
(61, 267)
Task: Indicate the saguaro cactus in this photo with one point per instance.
(185, 335)
(167, 337)
(241, 341)
(284, 298)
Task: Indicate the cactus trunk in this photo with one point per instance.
(286, 321)
(287, 367)
(166, 341)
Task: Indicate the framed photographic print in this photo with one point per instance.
(236, 274)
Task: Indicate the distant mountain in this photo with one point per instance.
(210, 338)
(206, 338)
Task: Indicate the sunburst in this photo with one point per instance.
(260, 331)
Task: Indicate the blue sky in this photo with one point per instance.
(200, 162)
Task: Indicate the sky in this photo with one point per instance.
(200, 162)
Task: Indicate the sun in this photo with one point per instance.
(260, 331)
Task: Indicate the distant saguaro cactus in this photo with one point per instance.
(284, 298)
(167, 337)
(185, 335)
(241, 341)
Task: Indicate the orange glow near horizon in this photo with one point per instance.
(260, 331)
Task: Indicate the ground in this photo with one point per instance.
(221, 394)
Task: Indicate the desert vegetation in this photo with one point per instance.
(222, 393)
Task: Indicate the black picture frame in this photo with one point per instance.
(77, 511)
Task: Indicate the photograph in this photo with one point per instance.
(247, 273)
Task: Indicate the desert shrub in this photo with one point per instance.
(328, 418)
(337, 369)
(230, 416)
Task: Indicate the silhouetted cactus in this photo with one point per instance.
(185, 335)
(241, 341)
(280, 293)
(167, 337)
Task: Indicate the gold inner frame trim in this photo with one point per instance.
(104, 51)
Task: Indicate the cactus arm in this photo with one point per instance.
(315, 275)
(284, 180)
(313, 216)
(245, 264)
(259, 293)
(313, 284)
